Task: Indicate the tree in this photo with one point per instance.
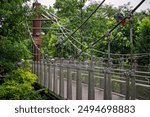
(73, 12)
(142, 40)
(12, 34)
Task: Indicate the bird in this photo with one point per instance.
(59, 41)
(119, 18)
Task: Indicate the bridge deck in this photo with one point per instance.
(99, 93)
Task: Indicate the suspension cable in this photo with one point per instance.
(85, 20)
(111, 30)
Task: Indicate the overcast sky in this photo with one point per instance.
(116, 3)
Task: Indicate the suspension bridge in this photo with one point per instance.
(94, 78)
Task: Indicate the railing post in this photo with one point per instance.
(55, 87)
(122, 88)
(45, 73)
(52, 73)
(79, 83)
(109, 80)
(86, 70)
(49, 76)
(127, 96)
(38, 70)
(101, 72)
(61, 79)
(69, 81)
(35, 67)
(91, 81)
(105, 83)
(41, 73)
(133, 83)
(107, 74)
(133, 87)
(33, 64)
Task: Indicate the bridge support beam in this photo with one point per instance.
(36, 35)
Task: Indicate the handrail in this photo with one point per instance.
(66, 73)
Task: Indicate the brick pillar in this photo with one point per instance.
(36, 35)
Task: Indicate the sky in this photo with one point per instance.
(115, 3)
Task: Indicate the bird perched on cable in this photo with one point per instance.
(59, 41)
(119, 18)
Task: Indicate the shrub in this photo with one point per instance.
(18, 86)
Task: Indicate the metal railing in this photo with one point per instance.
(92, 80)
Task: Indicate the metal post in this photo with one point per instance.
(79, 83)
(105, 83)
(61, 80)
(127, 97)
(109, 80)
(69, 81)
(131, 52)
(108, 48)
(49, 76)
(38, 71)
(55, 87)
(131, 40)
(45, 73)
(41, 72)
(133, 83)
(33, 66)
(91, 80)
(122, 86)
(101, 72)
(36, 66)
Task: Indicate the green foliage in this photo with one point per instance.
(143, 40)
(18, 86)
(72, 13)
(13, 15)
(11, 53)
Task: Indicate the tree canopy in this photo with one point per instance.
(72, 13)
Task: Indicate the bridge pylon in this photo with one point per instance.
(37, 34)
